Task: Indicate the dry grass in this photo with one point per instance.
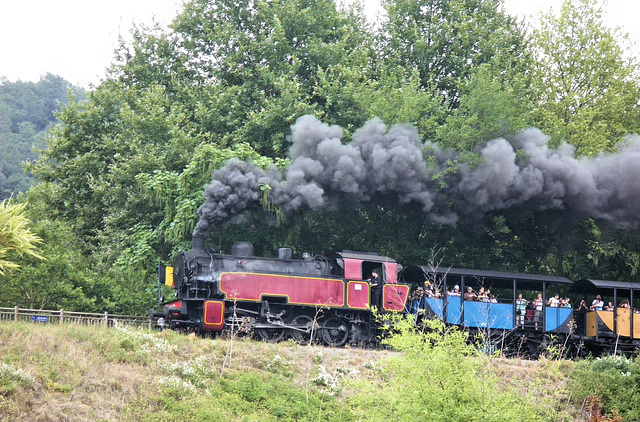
(78, 378)
(98, 374)
(73, 382)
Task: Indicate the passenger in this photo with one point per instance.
(597, 304)
(582, 312)
(493, 299)
(470, 294)
(566, 302)
(431, 290)
(531, 309)
(521, 310)
(482, 295)
(455, 291)
(608, 306)
(416, 298)
(539, 306)
(554, 302)
(428, 289)
(625, 304)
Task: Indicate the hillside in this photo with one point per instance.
(28, 113)
(75, 373)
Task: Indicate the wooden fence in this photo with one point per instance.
(42, 316)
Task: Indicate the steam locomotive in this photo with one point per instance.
(329, 299)
(325, 297)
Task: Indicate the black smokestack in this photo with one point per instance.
(198, 242)
(524, 171)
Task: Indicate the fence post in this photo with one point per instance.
(15, 314)
(61, 315)
(106, 319)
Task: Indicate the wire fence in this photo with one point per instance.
(43, 316)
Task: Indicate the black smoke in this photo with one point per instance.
(324, 172)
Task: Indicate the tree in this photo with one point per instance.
(16, 236)
(63, 280)
(588, 90)
(490, 107)
(28, 111)
(129, 164)
(249, 69)
(446, 40)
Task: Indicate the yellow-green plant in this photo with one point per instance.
(15, 235)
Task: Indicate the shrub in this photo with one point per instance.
(439, 376)
(615, 380)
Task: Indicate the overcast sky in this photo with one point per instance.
(76, 38)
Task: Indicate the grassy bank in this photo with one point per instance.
(75, 373)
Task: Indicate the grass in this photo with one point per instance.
(76, 373)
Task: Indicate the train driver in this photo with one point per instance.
(376, 290)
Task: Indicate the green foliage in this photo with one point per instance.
(243, 396)
(490, 107)
(16, 237)
(13, 377)
(127, 345)
(68, 278)
(139, 375)
(28, 111)
(603, 253)
(257, 66)
(398, 98)
(587, 88)
(438, 376)
(446, 40)
(614, 379)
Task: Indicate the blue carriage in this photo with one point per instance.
(491, 301)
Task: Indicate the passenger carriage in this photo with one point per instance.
(615, 329)
(497, 318)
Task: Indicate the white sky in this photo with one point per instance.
(76, 38)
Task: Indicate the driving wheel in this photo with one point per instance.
(274, 334)
(335, 332)
(302, 330)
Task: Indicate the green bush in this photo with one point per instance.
(614, 379)
(439, 376)
(245, 396)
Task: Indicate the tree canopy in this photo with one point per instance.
(587, 88)
(445, 41)
(122, 172)
(28, 111)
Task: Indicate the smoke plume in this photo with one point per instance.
(524, 171)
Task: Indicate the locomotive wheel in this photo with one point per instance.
(335, 332)
(272, 335)
(304, 322)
